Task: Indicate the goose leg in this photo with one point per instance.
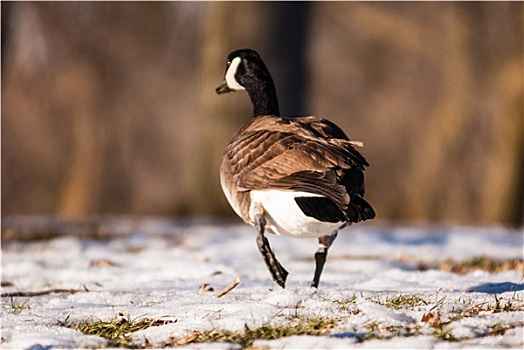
(324, 243)
(276, 270)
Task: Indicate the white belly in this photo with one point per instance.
(284, 217)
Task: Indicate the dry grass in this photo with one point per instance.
(317, 326)
(16, 306)
(466, 266)
(482, 263)
(117, 330)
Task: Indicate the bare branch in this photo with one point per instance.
(228, 288)
(43, 292)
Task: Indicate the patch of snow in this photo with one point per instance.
(154, 268)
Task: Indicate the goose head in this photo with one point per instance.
(245, 70)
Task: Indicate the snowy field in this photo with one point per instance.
(383, 286)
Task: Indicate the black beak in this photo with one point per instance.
(223, 88)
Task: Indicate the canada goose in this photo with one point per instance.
(295, 176)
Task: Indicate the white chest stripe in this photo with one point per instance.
(230, 75)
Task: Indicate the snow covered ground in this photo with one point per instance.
(381, 286)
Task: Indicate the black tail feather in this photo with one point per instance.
(320, 208)
(359, 210)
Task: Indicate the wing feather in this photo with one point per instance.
(308, 154)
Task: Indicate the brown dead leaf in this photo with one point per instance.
(102, 263)
(188, 339)
(205, 288)
(430, 318)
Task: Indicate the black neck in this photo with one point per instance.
(264, 99)
(256, 79)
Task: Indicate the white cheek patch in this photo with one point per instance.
(230, 75)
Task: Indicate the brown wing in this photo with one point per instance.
(305, 154)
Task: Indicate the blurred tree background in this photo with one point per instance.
(109, 107)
